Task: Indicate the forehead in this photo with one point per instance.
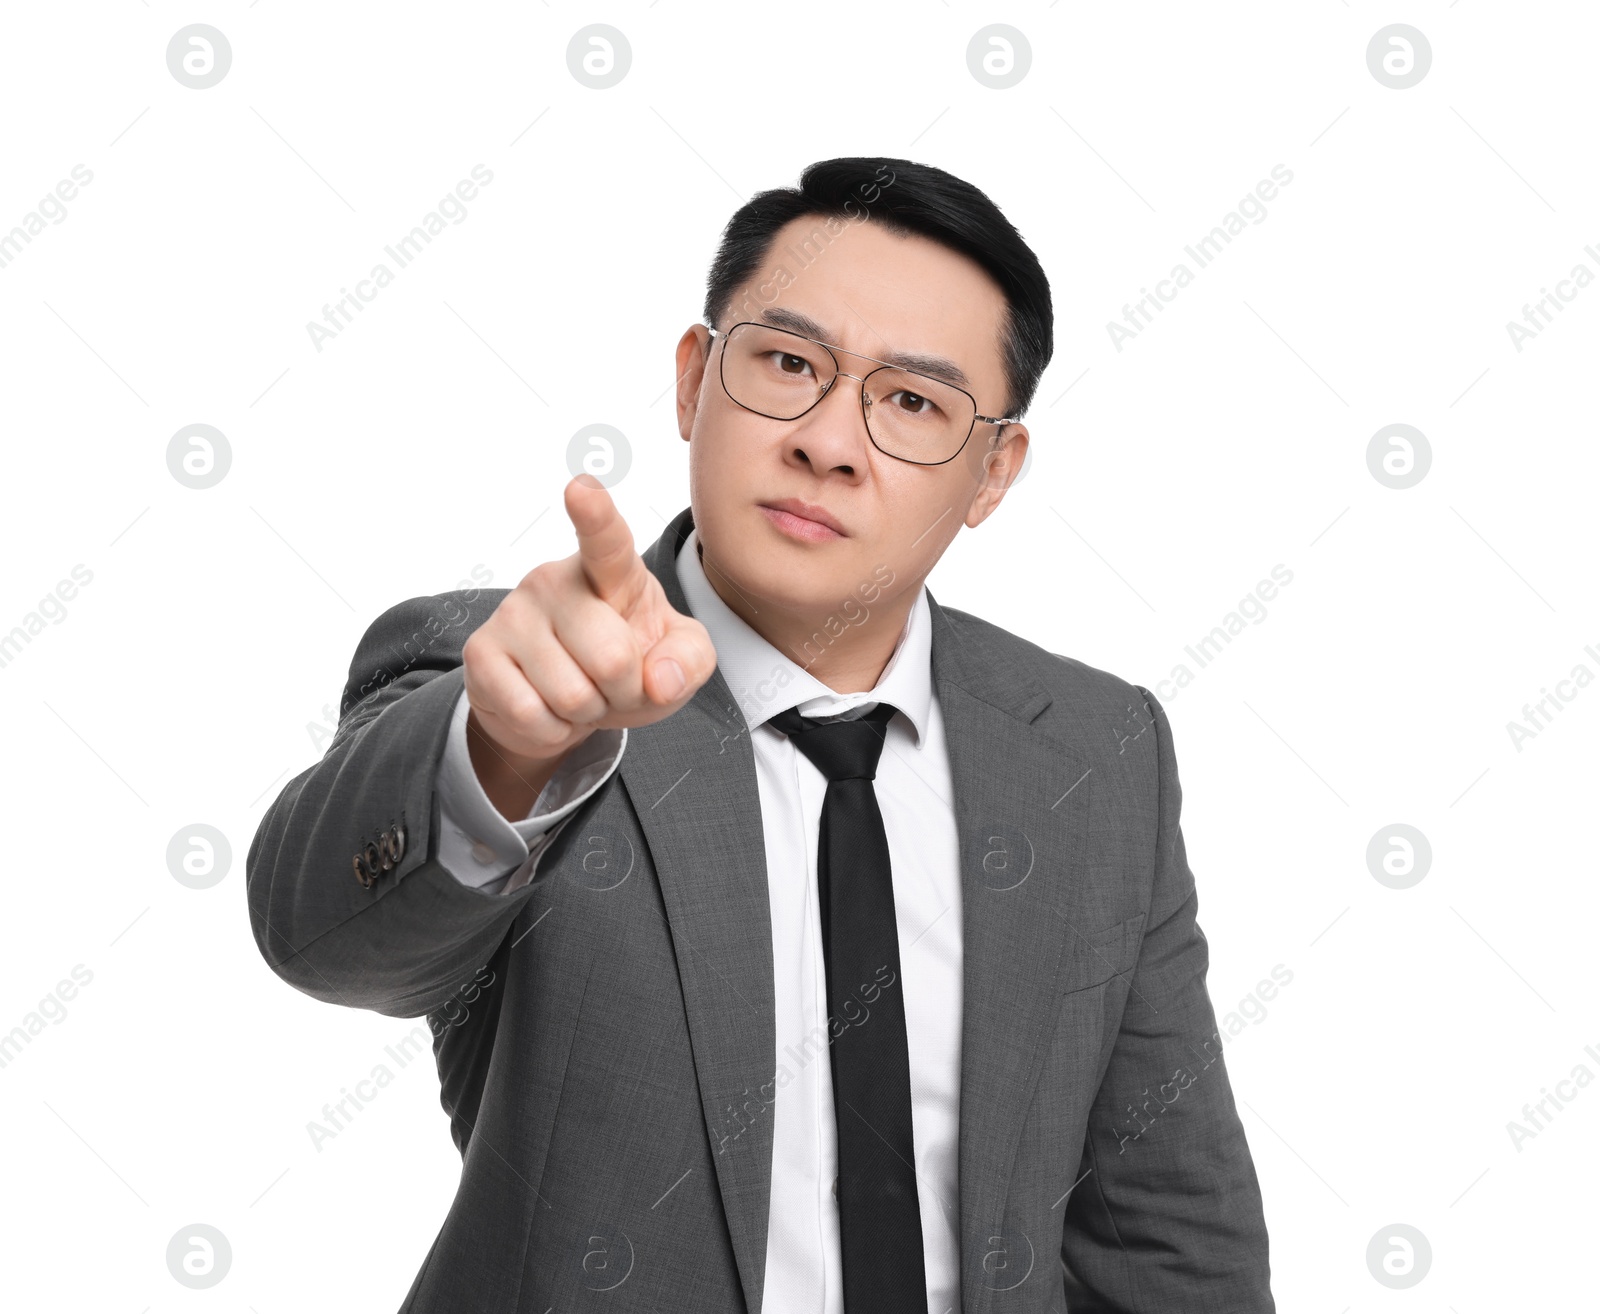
(893, 297)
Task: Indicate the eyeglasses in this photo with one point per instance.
(909, 416)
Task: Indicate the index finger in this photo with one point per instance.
(605, 544)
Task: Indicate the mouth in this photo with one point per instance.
(802, 520)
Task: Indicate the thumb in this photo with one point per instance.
(687, 646)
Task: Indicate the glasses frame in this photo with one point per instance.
(830, 348)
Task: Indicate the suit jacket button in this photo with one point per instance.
(360, 868)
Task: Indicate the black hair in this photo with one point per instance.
(905, 197)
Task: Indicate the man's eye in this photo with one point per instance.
(790, 364)
(914, 403)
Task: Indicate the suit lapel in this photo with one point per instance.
(692, 781)
(1021, 798)
(1020, 802)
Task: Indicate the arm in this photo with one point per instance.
(1169, 1216)
(349, 898)
(404, 941)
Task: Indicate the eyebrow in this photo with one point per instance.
(938, 367)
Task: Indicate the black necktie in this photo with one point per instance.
(880, 1228)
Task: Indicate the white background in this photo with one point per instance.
(188, 680)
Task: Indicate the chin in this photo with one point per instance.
(783, 574)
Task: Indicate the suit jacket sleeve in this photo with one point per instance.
(405, 943)
(1169, 1215)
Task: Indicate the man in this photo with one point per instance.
(791, 942)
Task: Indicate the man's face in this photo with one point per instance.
(871, 292)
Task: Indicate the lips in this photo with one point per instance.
(808, 511)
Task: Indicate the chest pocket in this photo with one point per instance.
(1095, 958)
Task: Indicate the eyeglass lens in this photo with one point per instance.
(782, 375)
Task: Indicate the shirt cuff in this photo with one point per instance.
(477, 845)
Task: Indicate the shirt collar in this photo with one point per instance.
(764, 681)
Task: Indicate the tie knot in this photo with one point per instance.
(841, 750)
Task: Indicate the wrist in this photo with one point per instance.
(512, 781)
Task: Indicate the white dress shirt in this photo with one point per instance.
(481, 848)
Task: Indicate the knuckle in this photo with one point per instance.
(479, 652)
(524, 711)
(522, 612)
(543, 581)
(612, 661)
(571, 700)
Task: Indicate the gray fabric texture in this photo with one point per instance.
(610, 1087)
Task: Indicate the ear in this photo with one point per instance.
(694, 347)
(995, 469)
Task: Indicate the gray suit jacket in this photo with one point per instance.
(605, 1036)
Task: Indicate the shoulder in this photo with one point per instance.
(1095, 711)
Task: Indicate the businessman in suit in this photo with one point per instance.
(789, 940)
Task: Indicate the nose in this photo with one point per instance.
(833, 439)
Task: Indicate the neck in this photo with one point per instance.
(851, 661)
